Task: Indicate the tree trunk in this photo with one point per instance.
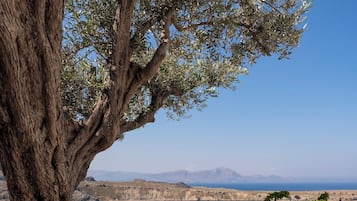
(32, 135)
(44, 153)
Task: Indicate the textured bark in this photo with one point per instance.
(44, 153)
(32, 137)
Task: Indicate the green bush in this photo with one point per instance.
(277, 195)
(324, 196)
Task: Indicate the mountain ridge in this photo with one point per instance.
(217, 175)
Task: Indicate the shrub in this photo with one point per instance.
(277, 195)
(324, 196)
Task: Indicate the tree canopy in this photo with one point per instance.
(211, 43)
(76, 75)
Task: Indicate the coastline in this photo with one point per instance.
(279, 186)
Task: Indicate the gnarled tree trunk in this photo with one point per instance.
(32, 148)
(44, 153)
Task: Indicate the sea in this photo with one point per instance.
(284, 186)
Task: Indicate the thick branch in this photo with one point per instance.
(96, 135)
(157, 100)
(152, 67)
(100, 130)
(141, 120)
(158, 97)
(142, 75)
(121, 28)
(89, 129)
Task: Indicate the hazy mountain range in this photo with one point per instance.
(218, 175)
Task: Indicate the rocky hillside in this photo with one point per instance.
(143, 190)
(158, 191)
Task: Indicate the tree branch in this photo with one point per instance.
(121, 28)
(264, 49)
(270, 5)
(89, 129)
(138, 76)
(100, 130)
(158, 97)
(152, 67)
(140, 33)
(254, 34)
(141, 120)
(191, 26)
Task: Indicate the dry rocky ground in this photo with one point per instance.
(158, 191)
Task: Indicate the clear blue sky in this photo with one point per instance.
(294, 117)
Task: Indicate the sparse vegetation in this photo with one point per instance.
(277, 195)
(323, 197)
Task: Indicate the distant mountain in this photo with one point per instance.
(218, 175)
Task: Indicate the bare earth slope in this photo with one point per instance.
(143, 190)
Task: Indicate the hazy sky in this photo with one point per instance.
(294, 117)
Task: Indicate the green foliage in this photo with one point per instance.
(324, 196)
(212, 43)
(277, 195)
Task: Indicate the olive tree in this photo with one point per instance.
(76, 75)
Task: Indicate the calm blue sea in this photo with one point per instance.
(284, 186)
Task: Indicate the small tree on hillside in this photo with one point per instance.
(75, 75)
(324, 196)
(277, 196)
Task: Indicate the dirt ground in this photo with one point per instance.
(143, 190)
